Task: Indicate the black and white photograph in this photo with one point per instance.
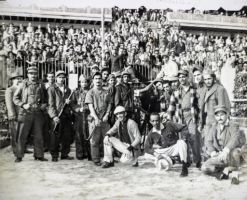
(123, 100)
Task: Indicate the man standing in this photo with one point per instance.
(164, 141)
(81, 113)
(58, 96)
(123, 136)
(125, 94)
(47, 125)
(183, 108)
(223, 145)
(105, 74)
(99, 103)
(12, 109)
(30, 98)
(214, 95)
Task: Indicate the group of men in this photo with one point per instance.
(185, 116)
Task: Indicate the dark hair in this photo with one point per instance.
(154, 114)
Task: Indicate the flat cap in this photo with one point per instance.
(119, 109)
(15, 75)
(184, 72)
(94, 66)
(125, 72)
(59, 72)
(219, 108)
(32, 69)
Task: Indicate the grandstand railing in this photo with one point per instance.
(144, 72)
(206, 20)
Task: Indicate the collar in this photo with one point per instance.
(156, 130)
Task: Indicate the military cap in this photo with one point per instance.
(15, 75)
(32, 69)
(111, 76)
(184, 72)
(59, 72)
(219, 108)
(208, 72)
(94, 66)
(96, 73)
(125, 72)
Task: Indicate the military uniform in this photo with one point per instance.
(56, 100)
(80, 125)
(32, 119)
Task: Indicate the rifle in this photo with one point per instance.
(60, 113)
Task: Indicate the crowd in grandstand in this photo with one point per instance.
(185, 95)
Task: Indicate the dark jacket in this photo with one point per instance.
(169, 136)
(56, 100)
(23, 91)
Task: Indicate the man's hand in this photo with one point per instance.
(214, 154)
(67, 101)
(77, 110)
(223, 156)
(56, 120)
(130, 148)
(26, 106)
(81, 109)
(105, 118)
(106, 140)
(13, 118)
(43, 107)
(97, 122)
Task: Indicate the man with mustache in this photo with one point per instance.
(223, 145)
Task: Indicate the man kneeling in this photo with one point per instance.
(163, 143)
(125, 137)
(223, 144)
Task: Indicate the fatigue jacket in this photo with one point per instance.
(24, 91)
(124, 96)
(56, 100)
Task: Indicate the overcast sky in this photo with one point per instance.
(174, 4)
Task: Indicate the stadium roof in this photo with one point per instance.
(152, 4)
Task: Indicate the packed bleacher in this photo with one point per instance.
(166, 65)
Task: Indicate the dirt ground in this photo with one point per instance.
(31, 180)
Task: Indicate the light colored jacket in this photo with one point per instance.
(11, 107)
(232, 138)
(133, 131)
(217, 95)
